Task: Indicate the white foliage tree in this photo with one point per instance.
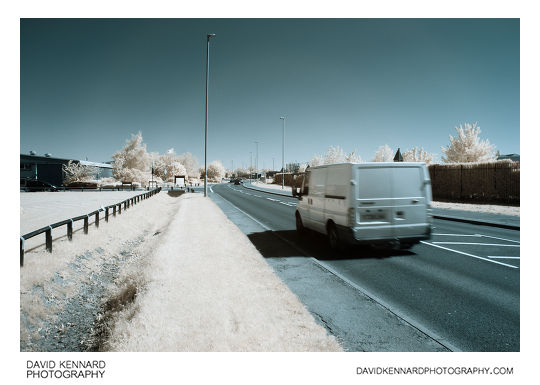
(317, 160)
(466, 146)
(418, 155)
(384, 154)
(132, 163)
(334, 154)
(352, 157)
(77, 172)
(216, 171)
(191, 164)
(168, 165)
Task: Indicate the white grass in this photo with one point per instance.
(201, 284)
(209, 289)
(493, 209)
(43, 295)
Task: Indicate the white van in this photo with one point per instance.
(378, 202)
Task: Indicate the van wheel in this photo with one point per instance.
(333, 238)
(300, 229)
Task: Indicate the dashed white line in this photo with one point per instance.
(501, 257)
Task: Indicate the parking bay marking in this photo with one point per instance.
(469, 255)
(475, 243)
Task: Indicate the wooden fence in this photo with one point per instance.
(495, 182)
(117, 207)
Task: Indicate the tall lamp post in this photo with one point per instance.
(208, 37)
(256, 159)
(283, 156)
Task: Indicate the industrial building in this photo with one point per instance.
(49, 169)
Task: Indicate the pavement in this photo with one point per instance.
(478, 218)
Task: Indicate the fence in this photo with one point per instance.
(496, 182)
(69, 222)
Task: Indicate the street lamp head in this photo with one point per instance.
(210, 35)
(282, 117)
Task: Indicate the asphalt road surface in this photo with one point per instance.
(459, 291)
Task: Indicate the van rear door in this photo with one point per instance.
(374, 203)
(410, 199)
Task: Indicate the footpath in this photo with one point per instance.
(207, 288)
(459, 215)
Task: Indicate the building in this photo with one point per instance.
(49, 169)
(512, 157)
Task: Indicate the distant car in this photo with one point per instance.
(238, 181)
(38, 185)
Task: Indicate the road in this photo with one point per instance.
(459, 291)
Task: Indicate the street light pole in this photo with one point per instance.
(283, 156)
(256, 159)
(208, 37)
(250, 165)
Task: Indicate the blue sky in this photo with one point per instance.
(87, 85)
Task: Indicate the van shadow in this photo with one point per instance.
(269, 244)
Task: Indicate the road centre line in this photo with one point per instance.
(469, 255)
(501, 257)
(475, 243)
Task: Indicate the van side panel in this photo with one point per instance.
(337, 194)
(316, 199)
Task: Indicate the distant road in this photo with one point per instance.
(457, 291)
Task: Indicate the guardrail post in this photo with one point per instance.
(120, 208)
(114, 210)
(86, 225)
(48, 240)
(22, 251)
(70, 230)
(107, 214)
(97, 219)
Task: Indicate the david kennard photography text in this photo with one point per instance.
(65, 369)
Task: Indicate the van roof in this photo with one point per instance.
(374, 164)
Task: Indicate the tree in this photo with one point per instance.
(77, 172)
(334, 154)
(384, 154)
(168, 165)
(418, 155)
(216, 171)
(467, 147)
(317, 160)
(132, 163)
(191, 164)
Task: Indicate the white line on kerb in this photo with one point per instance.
(469, 255)
(475, 243)
(211, 189)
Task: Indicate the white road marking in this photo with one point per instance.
(211, 189)
(502, 239)
(469, 255)
(475, 243)
(405, 318)
(458, 235)
(501, 257)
